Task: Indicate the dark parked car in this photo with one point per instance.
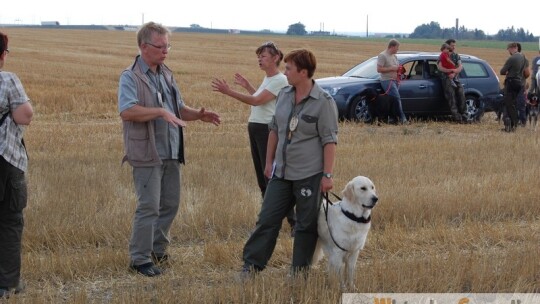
(420, 88)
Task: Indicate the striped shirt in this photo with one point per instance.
(12, 95)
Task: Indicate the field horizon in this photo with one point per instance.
(459, 204)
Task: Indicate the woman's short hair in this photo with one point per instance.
(303, 60)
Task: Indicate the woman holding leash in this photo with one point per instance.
(302, 145)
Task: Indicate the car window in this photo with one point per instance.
(474, 70)
(366, 69)
(433, 71)
(414, 70)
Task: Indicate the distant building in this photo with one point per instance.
(234, 31)
(320, 33)
(50, 23)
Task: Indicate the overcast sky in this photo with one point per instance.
(337, 16)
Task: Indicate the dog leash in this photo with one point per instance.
(397, 80)
(325, 195)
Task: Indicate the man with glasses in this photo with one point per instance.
(15, 113)
(153, 114)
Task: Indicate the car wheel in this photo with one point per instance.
(474, 109)
(358, 110)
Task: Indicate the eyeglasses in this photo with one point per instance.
(163, 48)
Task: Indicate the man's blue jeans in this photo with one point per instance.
(390, 87)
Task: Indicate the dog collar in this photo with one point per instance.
(355, 218)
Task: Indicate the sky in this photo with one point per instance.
(335, 16)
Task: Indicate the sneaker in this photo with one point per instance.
(20, 287)
(298, 272)
(507, 125)
(248, 272)
(6, 292)
(148, 269)
(159, 258)
(509, 129)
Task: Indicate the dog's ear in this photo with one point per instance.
(348, 192)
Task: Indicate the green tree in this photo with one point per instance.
(434, 31)
(297, 29)
(427, 31)
(479, 34)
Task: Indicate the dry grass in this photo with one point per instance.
(459, 207)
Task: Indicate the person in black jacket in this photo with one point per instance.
(513, 84)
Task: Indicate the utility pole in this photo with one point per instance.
(457, 29)
(367, 25)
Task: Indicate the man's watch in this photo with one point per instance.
(328, 175)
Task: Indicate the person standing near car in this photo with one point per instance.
(522, 97)
(534, 78)
(538, 82)
(263, 107)
(444, 59)
(15, 113)
(302, 144)
(390, 69)
(453, 90)
(153, 114)
(513, 84)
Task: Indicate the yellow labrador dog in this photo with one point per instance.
(343, 228)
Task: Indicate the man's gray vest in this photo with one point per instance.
(139, 137)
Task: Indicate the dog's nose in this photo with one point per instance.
(374, 200)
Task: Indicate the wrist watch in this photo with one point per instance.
(328, 175)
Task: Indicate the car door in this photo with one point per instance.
(475, 76)
(439, 105)
(419, 95)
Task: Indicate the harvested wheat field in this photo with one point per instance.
(459, 206)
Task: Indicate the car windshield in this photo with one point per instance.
(366, 69)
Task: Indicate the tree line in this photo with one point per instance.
(433, 30)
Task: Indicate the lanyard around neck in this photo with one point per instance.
(156, 81)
